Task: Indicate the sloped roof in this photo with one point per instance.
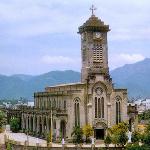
(94, 23)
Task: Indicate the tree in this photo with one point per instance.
(121, 127)
(146, 139)
(48, 138)
(77, 135)
(8, 146)
(144, 116)
(2, 120)
(135, 137)
(114, 138)
(107, 140)
(122, 138)
(14, 124)
(88, 131)
(148, 128)
(134, 146)
(118, 134)
(146, 136)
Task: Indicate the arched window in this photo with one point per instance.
(54, 103)
(54, 124)
(37, 102)
(102, 106)
(77, 111)
(95, 107)
(118, 110)
(49, 103)
(64, 104)
(59, 104)
(99, 107)
(43, 103)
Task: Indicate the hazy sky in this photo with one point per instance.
(38, 36)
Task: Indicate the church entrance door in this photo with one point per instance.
(63, 128)
(99, 134)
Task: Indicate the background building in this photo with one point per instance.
(142, 105)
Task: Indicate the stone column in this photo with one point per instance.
(25, 118)
(30, 123)
(37, 123)
(90, 111)
(22, 122)
(46, 103)
(27, 122)
(34, 123)
(108, 111)
(47, 124)
(43, 128)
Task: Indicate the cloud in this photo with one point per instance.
(27, 26)
(130, 33)
(26, 18)
(118, 60)
(61, 60)
(32, 18)
(132, 58)
(61, 63)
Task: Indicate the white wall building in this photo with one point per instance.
(143, 105)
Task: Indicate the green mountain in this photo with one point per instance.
(134, 77)
(17, 86)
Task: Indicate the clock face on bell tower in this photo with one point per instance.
(97, 34)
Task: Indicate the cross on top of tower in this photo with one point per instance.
(92, 9)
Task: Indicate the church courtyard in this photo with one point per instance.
(20, 138)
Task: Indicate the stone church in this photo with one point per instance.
(92, 101)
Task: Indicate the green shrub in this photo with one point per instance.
(14, 124)
(8, 146)
(146, 139)
(135, 137)
(77, 135)
(107, 140)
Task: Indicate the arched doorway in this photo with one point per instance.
(63, 128)
(54, 129)
(40, 125)
(45, 127)
(100, 130)
(35, 123)
(31, 119)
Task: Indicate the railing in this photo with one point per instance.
(23, 147)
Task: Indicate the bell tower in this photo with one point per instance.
(94, 48)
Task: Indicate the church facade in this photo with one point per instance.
(93, 101)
